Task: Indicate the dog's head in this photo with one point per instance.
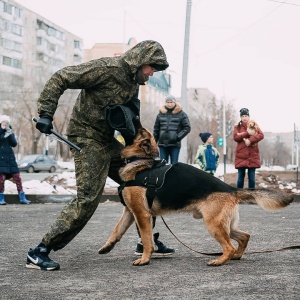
(144, 145)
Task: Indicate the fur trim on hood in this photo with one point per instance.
(177, 109)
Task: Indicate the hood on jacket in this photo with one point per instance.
(146, 53)
(176, 110)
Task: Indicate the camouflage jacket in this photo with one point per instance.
(103, 82)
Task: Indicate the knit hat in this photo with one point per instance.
(204, 136)
(170, 98)
(4, 118)
(244, 112)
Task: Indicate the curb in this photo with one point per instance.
(35, 199)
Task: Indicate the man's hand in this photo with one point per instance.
(44, 124)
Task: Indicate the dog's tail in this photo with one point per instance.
(266, 198)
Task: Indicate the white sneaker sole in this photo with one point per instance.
(33, 266)
(155, 254)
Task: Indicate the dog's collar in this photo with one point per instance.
(135, 158)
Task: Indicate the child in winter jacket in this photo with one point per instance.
(207, 156)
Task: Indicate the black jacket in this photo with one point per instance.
(171, 126)
(8, 164)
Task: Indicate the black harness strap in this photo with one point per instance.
(150, 178)
(151, 184)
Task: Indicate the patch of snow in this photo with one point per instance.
(65, 183)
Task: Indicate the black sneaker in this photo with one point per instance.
(38, 258)
(159, 248)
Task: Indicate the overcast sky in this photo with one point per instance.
(246, 51)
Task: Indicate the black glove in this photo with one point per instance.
(44, 124)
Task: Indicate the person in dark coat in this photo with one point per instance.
(171, 126)
(247, 152)
(8, 165)
(104, 82)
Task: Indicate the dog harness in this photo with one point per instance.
(152, 179)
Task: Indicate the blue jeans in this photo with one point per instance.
(241, 177)
(169, 152)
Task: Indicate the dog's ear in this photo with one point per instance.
(144, 132)
(146, 146)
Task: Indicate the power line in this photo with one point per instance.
(284, 2)
(240, 32)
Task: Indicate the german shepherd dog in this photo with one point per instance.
(185, 189)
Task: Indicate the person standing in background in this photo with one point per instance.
(8, 165)
(207, 156)
(171, 126)
(247, 152)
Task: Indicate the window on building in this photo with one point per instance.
(50, 30)
(40, 56)
(51, 47)
(39, 41)
(16, 29)
(10, 9)
(76, 58)
(2, 24)
(12, 62)
(77, 44)
(17, 12)
(7, 8)
(10, 45)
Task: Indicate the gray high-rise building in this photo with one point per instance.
(32, 48)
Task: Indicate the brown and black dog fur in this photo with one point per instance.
(186, 189)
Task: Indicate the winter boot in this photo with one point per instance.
(2, 201)
(23, 199)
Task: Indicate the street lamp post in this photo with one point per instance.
(183, 151)
(224, 135)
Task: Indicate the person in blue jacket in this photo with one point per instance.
(207, 156)
(8, 165)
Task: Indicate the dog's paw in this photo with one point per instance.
(141, 262)
(215, 263)
(236, 257)
(106, 249)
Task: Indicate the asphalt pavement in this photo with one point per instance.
(85, 274)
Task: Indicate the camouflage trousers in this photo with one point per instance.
(92, 166)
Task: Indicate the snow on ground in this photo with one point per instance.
(64, 183)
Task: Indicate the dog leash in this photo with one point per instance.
(220, 253)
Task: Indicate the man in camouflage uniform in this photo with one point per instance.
(103, 82)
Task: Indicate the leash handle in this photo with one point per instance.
(72, 145)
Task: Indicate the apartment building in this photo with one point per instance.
(31, 49)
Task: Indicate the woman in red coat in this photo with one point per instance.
(247, 152)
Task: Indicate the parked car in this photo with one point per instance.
(36, 163)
